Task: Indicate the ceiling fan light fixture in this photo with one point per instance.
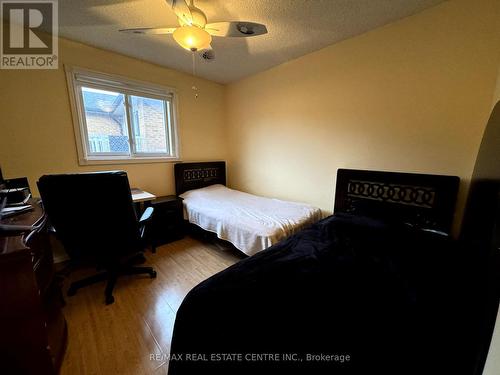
(192, 38)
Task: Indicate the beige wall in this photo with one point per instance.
(412, 96)
(36, 129)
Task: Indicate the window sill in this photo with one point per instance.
(127, 160)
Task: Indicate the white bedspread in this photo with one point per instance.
(249, 222)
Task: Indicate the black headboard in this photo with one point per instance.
(189, 176)
(422, 200)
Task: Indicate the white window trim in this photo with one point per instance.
(75, 76)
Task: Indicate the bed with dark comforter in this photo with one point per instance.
(347, 295)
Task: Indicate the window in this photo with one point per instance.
(121, 121)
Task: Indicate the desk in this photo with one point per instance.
(141, 199)
(139, 196)
(33, 328)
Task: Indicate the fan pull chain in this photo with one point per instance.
(195, 89)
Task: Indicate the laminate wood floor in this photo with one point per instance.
(120, 338)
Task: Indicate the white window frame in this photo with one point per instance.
(79, 77)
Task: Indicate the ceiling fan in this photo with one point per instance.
(194, 33)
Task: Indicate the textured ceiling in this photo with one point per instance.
(296, 27)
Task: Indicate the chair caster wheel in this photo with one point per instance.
(153, 275)
(110, 300)
(71, 292)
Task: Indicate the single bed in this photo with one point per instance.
(371, 283)
(251, 223)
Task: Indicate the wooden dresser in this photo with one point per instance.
(33, 332)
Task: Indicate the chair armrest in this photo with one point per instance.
(145, 218)
(146, 215)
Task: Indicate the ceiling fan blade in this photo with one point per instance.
(181, 10)
(236, 29)
(150, 30)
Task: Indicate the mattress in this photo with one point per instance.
(251, 223)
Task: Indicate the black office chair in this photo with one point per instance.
(94, 218)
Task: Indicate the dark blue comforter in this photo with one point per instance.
(347, 295)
